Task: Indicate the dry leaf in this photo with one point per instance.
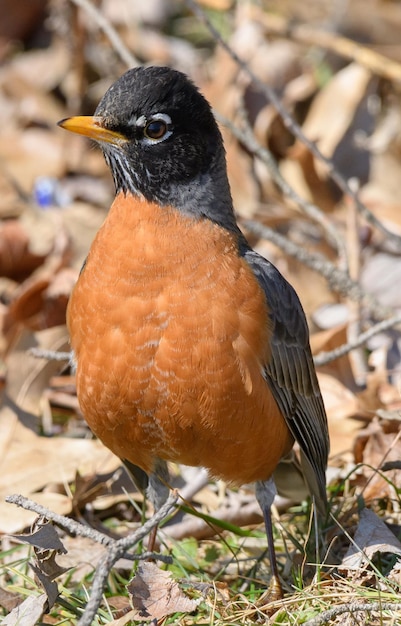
(28, 462)
(155, 594)
(128, 618)
(373, 446)
(327, 123)
(82, 556)
(9, 600)
(28, 613)
(45, 538)
(16, 259)
(25, 161)
(371, 536)
(342, 407)
(328, 340)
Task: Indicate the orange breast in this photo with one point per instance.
(170, 332)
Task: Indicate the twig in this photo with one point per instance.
(247, 138)
(302, 33)
(326, 617)
(49, 355)
(119, 46)
(338, 280)
(294, 128)
(78, 529)
(115, 552)
(325, 357)
(116, 549)
(67, 523)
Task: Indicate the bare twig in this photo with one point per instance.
(326, 357)
(302, 33)
(68, 524)
(115, 552)
(116, 549)
(78, 529)
(294, 128)
(118, 45)
(326, 617)
(338, 280)
(49, 355)
(247, 138)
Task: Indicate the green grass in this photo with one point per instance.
(230, 574)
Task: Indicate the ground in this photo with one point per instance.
(308, 99)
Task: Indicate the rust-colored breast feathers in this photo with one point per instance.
(170, 333)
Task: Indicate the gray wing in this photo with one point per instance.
(291, 374)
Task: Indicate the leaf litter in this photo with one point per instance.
(55, 191)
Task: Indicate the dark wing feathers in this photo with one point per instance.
(291, 375)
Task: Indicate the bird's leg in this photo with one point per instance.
(265, 492)
(157, 492)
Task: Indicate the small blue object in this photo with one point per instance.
(44, 191)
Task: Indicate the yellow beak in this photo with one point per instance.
(92, 126)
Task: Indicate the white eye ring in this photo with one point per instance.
(161, 130)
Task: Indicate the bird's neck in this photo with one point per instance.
(207, 195)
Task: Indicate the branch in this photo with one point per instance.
(326, 357)
(302, 33)
(116, 549)
(338, 280)
(73, 527)
(115, 552)
(78, 529)
(247, 138)
(294, 128)
(49, 355)
(118, 45)
(326, 617)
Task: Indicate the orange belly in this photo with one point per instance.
(170, 333)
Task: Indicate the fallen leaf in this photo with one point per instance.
(16, 259)
(28, 613)
(28, 462)
(9, 600)
(155, 594)
(371, 536)
(50, 586)
(129, 617)
(342, 407)
(45, 538)
(372, 447)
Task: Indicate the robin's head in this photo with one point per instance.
(161, 140)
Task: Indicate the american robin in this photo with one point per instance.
(189, 346)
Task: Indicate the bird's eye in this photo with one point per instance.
(156, 129)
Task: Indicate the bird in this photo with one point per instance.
(189, 346)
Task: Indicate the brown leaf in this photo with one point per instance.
(28, 613)
(128, 618)
(27, 376)
(327, 123)
(9, 600)
(155, 594)
(49, 585)
(371, 536)
(19, 19)
(28, 462)
(341, 407)
(16, 259)
(328, 340)
(44, 538)
(26, 161)
(372, 447)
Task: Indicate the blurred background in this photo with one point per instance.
(335, 68)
